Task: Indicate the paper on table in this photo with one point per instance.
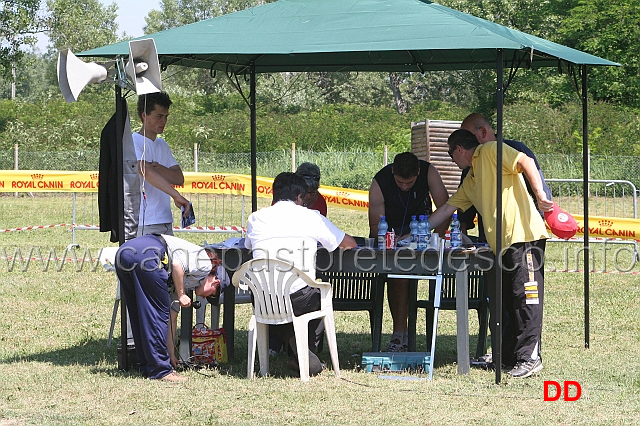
(233, 242)
(404, 242)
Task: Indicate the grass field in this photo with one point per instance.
(56, 368)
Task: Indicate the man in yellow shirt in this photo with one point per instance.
(523, 238)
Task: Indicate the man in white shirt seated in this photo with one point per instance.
(290, 232)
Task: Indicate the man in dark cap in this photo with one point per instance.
(313, 199)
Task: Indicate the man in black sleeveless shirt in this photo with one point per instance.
(402, 189)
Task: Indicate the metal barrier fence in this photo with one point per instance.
(607, 197)
(215, 213)
(342, 169)
(346, 169)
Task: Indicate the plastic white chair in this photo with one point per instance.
(269, 281)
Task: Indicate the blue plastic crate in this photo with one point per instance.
(375, 362)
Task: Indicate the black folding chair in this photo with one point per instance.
(359, 291)
(477, 300)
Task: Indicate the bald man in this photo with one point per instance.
(480, 126)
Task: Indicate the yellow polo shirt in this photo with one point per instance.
(521, 221)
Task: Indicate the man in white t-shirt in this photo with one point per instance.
(159, 171)
(290, 232)
(157, 167)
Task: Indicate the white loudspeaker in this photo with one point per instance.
(74, 75)
(143, 68)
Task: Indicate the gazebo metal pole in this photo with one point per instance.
(585, 186)
(254, 145)
(496, 341)
(123, 362)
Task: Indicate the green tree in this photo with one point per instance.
(19, 22)
(608, 29)
(81, 24)
(539, 18)
(33, 82)
(175, 13)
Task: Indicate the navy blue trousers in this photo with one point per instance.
(143, 282)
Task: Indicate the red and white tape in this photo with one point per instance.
(51, 259)
(86, 227)
(212, 228)
(598, 272)
(91, 227)
(30, 228)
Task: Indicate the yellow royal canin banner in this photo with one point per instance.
(223, 183)
(610, 227)
(234, 184)
(47, 181)
(194, 183)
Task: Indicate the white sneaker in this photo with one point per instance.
(526, 368)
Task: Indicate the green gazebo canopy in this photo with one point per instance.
(350, 35)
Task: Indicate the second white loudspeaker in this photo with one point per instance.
(143, 67)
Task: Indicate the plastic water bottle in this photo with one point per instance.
(427, 233)
(383, 227)
(413, 226)
(422, 233)
(454, 233)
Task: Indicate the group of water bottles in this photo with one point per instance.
(420, 233)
